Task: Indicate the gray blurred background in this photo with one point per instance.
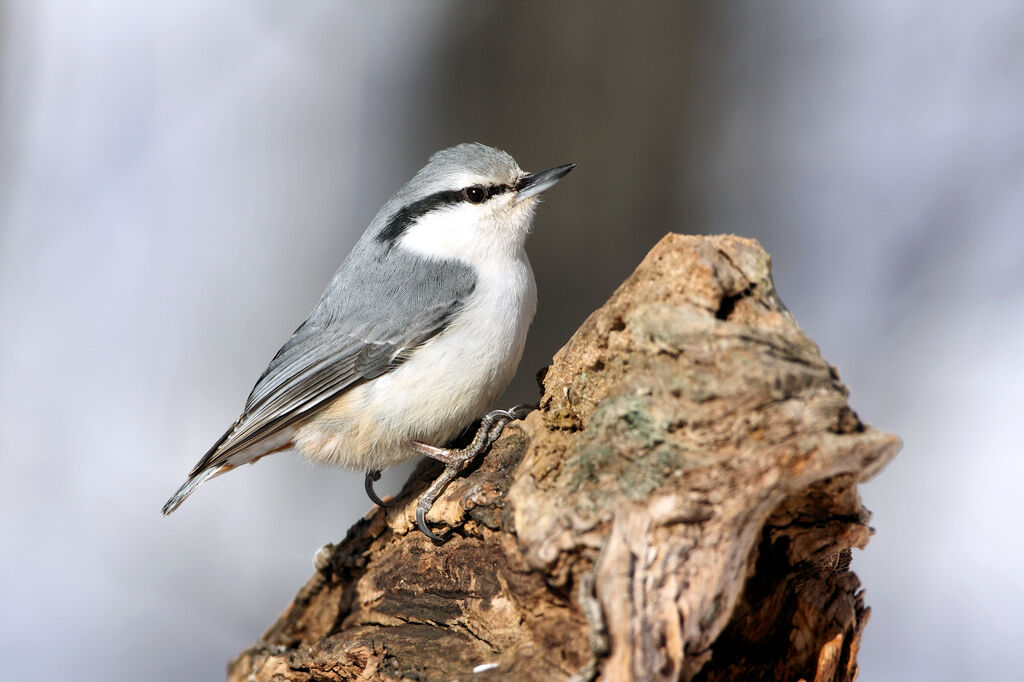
(178, 181)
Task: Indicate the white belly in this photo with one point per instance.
(446, 384)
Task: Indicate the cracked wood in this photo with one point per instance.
(682, 506)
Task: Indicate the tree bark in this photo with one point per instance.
(682, 506)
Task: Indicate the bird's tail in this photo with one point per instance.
(187, 489)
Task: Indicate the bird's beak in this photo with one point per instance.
(535, 183)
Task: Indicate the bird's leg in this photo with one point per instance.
(491, 426)
(371, 477)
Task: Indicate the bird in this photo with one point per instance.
(416, 335)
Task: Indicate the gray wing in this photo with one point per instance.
(317, 364)
(380, 306)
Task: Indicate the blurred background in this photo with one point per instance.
(178, 181)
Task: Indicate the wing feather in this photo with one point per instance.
(316, 365)
(381, 305)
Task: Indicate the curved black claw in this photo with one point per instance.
(371, 477)
(512, 414)
(421, 523)
(520, 411)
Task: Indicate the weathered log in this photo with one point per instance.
(682, 506)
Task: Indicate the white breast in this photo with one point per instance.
(445, 385)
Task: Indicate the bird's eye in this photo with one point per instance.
(474, 194)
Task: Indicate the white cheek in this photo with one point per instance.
(471, 233)
(445, 233)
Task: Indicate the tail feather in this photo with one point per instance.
(212, 465)
(188, 488)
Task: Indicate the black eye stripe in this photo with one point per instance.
(409, 214)
(489, 191)
(495, 190)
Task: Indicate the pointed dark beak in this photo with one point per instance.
(535, 183)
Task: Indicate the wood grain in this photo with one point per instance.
(682, 506)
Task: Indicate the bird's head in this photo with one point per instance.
(470, 202)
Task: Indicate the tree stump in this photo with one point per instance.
(682, 506)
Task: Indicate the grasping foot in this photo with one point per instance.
(491, 426)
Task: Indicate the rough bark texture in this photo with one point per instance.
(682, 506)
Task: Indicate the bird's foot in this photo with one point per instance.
(491, 426)
(371, 478)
